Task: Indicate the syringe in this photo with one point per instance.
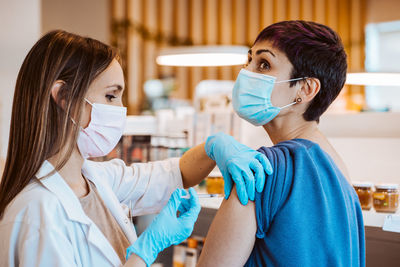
(204, 195)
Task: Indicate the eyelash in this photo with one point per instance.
(262, 61)
(110, 97)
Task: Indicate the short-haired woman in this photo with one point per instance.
(308, 213)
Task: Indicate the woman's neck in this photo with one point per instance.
(71, 172)
(291, 127)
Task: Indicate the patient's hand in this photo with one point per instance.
(239, 165)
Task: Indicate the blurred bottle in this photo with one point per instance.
(191, 253)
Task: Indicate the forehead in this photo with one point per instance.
(278, 55)
(113, 74)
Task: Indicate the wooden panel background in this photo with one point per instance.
(224, 22)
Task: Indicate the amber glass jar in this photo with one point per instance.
(215, 183)
(364, 192)
(386, 197)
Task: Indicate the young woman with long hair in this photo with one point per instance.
(57, 208)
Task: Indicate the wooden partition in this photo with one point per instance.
(221, 22)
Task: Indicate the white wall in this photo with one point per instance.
(19, 30)
(84, 17)
(369, 143)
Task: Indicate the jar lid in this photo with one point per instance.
(215, 174)
(192, 243)
(363, 184)
(387, 186)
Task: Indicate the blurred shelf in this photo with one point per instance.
(376, 219)
(371, 217)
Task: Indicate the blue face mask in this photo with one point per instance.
(251, 97)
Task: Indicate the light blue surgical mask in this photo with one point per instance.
(251, 97)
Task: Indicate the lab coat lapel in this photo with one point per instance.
(97, 239)
(112, 203)
(56, 184)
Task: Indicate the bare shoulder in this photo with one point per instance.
(328, 148)
(231, 236)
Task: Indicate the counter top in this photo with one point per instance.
(371, 217)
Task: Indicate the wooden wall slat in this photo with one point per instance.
(332, 16)
(196, 35)
(211, 32)
(150, 52)
(294, 9)
(240, 27)
(165, 26)
(319, 11)
(280, 10)
(225, 33)
(253, 20)
(267, 13)
(118, 9)
(355, 40)
(356, 29)
(306, 10)
(135, 61)
(182, 31)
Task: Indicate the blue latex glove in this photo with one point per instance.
(167, 229)
(239, 164)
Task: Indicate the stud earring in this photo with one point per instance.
(298, 100)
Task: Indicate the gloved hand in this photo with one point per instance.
(239, 164)
(167, 229)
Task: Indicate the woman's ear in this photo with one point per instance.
(309, 89)
(55, 89)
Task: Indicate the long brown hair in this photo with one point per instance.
(40, 128)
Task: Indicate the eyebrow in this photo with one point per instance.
(262, 51)
(119, 87)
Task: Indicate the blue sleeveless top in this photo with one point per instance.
(308, 214)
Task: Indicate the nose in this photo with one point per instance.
(250, 67)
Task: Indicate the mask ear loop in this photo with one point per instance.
(73, 121)
(288, 105)
(298, 100)
(88, 101)
(292, 80)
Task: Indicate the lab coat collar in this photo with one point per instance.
(56, 184)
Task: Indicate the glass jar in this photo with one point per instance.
(215, 183)
(364, 192)
(386, 198)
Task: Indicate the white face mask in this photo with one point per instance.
(106, 127)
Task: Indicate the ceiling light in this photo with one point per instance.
(373, 79)
(191, 56)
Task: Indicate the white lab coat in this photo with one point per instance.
(45, 224)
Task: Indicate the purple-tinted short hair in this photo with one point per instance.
(314, 50)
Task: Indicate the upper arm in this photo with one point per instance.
(232, 234)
